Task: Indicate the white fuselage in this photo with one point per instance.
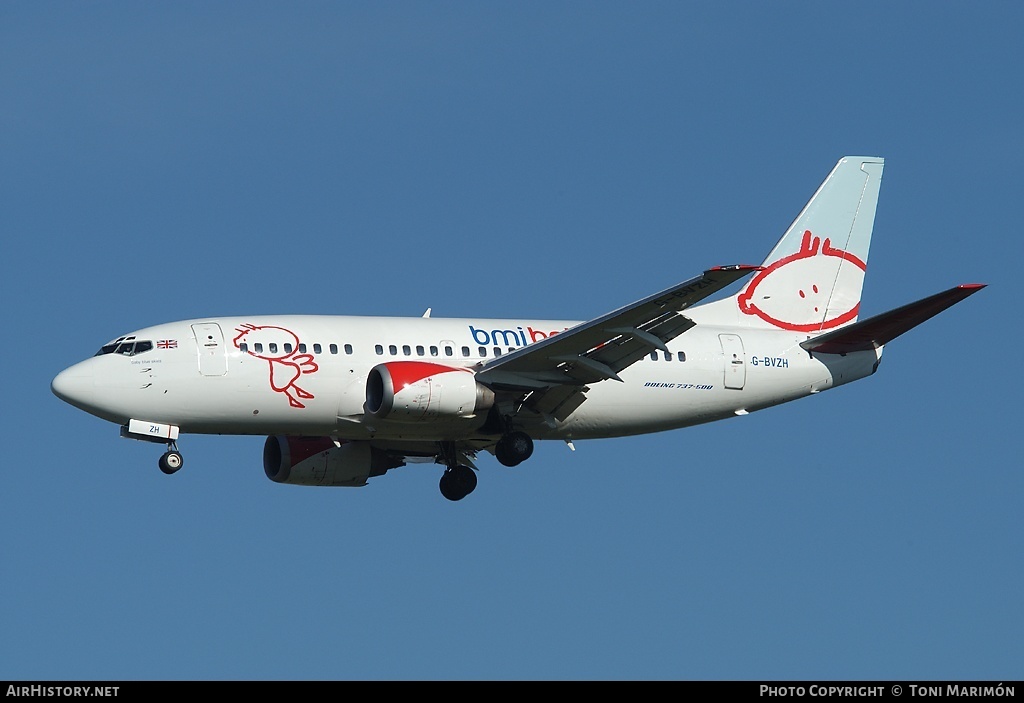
(306, 375)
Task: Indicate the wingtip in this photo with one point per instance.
(972, 286)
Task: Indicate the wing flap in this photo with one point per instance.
(557, 403)
(882, 329)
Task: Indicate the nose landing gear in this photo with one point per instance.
(148, 431)
(171, 460)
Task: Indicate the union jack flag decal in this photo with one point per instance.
(167, 344)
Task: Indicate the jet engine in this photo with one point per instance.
(412, 391)
(318, 461)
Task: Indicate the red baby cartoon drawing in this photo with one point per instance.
(796, 292)
(285, 366)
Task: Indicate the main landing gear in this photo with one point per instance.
(457, 482)
(171, 460)
(458, 479)
(514, 448)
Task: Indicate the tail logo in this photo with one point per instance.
(804, 291)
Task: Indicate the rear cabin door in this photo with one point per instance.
(735, 361)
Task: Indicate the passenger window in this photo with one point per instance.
(483, 351)
(433, 351)
(407, 350)
(302, 348)
(334, 348)
(668, 356)
(288, 347)
(681, 356)
(448, 351)
(420, 351)
(348, 348)
(317, 349)
(243, 347)
(497, 351)
(654, 356)
(379, 349)
(465, 351)
(258, 347)
(393, 349)
(273, 347)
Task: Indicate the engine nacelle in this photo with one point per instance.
(318, 461)
(410, 391)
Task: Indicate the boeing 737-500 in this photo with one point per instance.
(343, 399)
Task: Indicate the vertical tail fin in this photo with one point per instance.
(812, 280)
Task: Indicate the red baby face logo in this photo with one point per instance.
(793, 293)
(269, 343)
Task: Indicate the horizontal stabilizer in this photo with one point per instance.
(882, 329)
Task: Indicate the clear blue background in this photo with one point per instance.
(169, 160)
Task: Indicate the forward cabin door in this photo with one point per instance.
(213, 355)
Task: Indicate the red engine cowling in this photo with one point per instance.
(318, 461)
(410, 391)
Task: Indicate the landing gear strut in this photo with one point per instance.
(514, 448)
(171, 460)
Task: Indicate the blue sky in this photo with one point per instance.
(163, 161)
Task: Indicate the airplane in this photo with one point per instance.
(342, 399)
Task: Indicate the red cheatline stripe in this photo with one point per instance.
(404, 373)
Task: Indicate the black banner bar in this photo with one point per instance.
(812, 689)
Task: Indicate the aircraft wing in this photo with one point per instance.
(557, 370)
(882, 329)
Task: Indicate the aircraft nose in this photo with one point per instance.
(72, 385)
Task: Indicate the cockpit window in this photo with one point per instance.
(126, 346)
